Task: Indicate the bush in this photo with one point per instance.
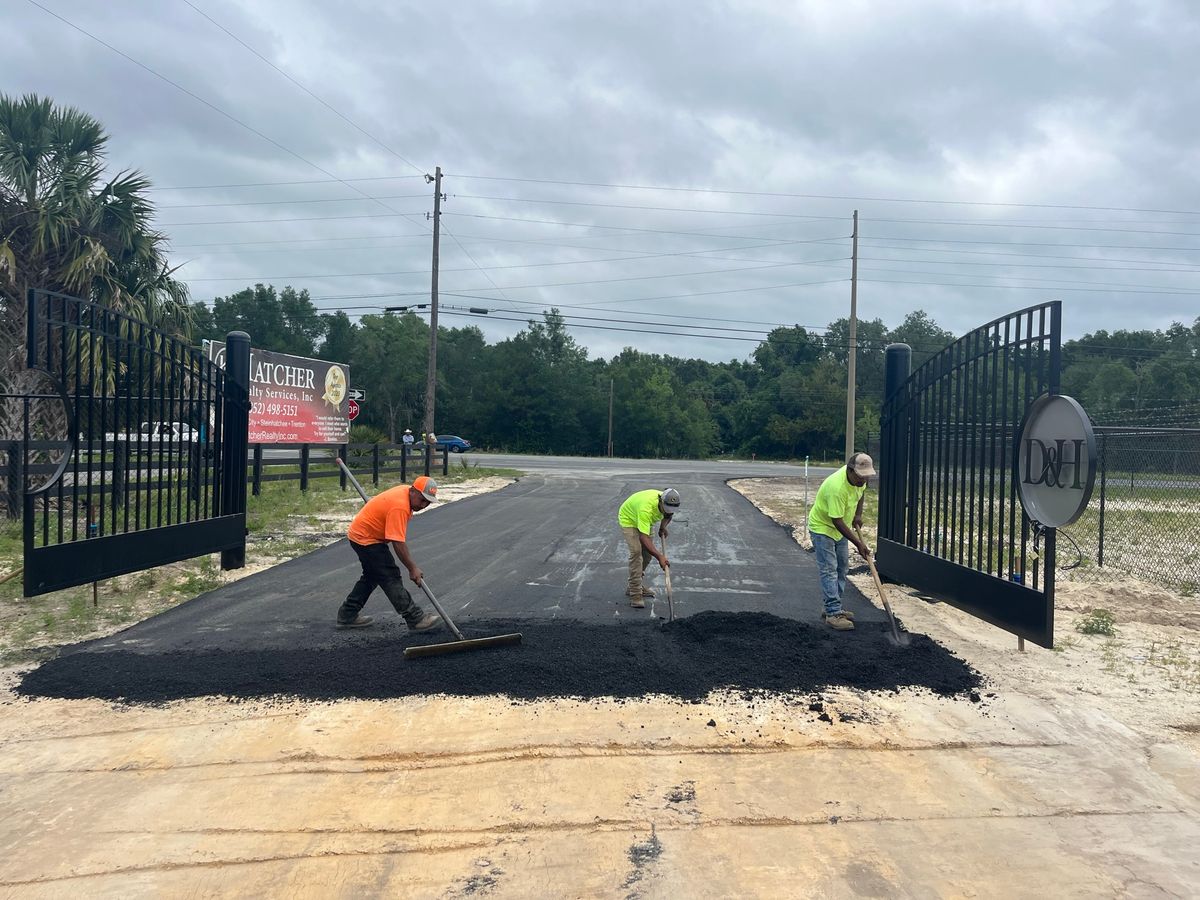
(364, 434)
(367, 434)
(1098, 621)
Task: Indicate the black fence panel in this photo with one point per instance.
(950, 519)
(136, 479)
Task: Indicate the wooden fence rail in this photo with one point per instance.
(121, 459)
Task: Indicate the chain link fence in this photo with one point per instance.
(1144, 515)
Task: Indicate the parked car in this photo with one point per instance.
(453, 442)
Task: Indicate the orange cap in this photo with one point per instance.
(428, 488)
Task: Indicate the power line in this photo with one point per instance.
(693, 190)
(328, 106)
(1016, 287)
(198, 98)
(290, 202)
(515, 266)
(245, 184)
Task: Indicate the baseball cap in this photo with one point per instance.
(864, 466)
(428, 488)
(670, 501)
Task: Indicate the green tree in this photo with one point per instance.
(340, 339)
(64, 228)
(283, 322)
(390, 361)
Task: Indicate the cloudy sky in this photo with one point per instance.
(675, 176)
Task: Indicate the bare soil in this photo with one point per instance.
(1147, 675)
(1075, 774)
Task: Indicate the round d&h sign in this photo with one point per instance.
(1056, 460)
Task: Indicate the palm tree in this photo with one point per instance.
(63, 228)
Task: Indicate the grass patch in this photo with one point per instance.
(1098, 621)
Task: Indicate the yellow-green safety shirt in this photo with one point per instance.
(837, 498)
(640, 511)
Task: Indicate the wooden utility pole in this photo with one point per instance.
(852, 356)
(610, 398)
(431, 377)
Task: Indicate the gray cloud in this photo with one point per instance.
(1075, 104)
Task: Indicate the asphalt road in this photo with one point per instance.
(545, 547)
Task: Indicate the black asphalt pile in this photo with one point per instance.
(688, 658)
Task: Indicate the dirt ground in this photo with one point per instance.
(1146, 676)
(1076, 775)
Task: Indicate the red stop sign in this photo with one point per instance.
(352, 409)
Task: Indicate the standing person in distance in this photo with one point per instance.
(383, 520)
(840, 497)
(407, 439)
(637, 517)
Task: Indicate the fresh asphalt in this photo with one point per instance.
(546, 547)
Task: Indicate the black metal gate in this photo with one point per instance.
(152, 456)
(950, 518)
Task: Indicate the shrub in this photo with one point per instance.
(1098, 621)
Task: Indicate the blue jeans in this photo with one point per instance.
(833, 561)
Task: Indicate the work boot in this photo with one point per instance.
(646, 592)
(359, 621)
(849, 615)
(839, 622)
(427, 622)
(637, 602)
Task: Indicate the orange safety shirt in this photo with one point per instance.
(384, 517)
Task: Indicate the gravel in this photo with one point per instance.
(749, 652)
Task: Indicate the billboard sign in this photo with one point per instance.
(294, 399)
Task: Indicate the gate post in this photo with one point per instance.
(236, 437)
(893, 444)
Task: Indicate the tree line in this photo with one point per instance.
(539, 392)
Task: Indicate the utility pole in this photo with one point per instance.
(853, 349)
(431, 377)
(610, 398)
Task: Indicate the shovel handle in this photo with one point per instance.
(667, 582)
(882, 593)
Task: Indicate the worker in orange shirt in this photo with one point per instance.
(383, 521)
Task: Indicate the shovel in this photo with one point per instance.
(667, 580)
(900, 640)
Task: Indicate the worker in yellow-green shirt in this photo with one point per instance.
(637, 518)
(839, 498)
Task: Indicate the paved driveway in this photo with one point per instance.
(545, 547)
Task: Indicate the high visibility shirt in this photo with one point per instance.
(837, 498)
(640, 511)
(383, 518)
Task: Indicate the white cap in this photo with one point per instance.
(864, 466)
